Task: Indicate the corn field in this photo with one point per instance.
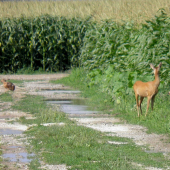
(55, 43)
(46, 42)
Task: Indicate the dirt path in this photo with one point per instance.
(13, 142)
(16, 143)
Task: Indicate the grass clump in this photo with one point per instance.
(36, 104)
(6, 97)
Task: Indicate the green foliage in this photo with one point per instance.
(50, 43)
(128, 49)
(115, 84)
(118, 55)
(106, 43)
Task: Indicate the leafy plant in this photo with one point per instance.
(128, 48)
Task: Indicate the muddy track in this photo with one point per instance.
(16, 142)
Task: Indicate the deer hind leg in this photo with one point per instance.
(140, 102)
(137, 103)
(148, 102)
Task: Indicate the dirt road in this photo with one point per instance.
(13, 141)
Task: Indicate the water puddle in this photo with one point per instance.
(63, 91)
(60, 102)
(10, 132)
(73, 106)
(21, 157)
(59, 91)
(76, 109)
(18, 155)
(14, 147)
(17, 152)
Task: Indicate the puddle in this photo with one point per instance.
(59, 102)
(76, 109)
(21, 157)
(73, 106)
(18, 155)
(10, 132)
(66, 101)
(59, 91)
(14, 147)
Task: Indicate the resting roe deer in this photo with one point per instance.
(8, 85)
(147, 89)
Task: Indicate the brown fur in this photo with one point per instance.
(147, 89)
(8, 85)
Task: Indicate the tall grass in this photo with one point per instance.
(138, 11)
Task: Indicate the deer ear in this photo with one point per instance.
(151, 65)
(160, 64)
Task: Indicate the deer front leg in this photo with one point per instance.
(153, 99)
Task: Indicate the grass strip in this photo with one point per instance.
(77, 146)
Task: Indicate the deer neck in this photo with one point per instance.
(157, 80)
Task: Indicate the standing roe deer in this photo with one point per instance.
(147, 89)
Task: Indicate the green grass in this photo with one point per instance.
(77, 146)
(36, 104)
(6, 97)
(123, 106)
(84, 148)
